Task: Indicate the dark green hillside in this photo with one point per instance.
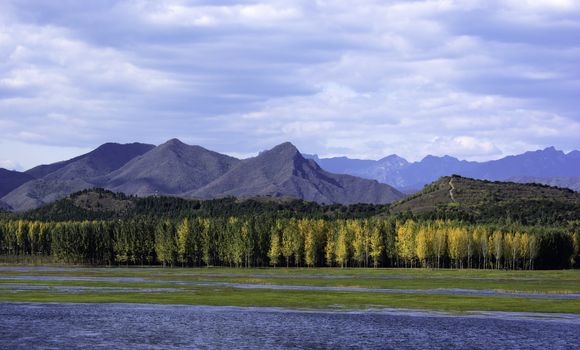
(480, 200)
(100, 204)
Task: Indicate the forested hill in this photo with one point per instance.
(101, 227)
(100, 204)
(457, 197)
(451, 197)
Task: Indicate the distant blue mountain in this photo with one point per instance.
(539, 166)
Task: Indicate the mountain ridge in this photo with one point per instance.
(12, 179)
(170, 168)
(295, 176)
(412, 176)
(72, 175)
(177, 169)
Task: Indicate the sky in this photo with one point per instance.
(475, 79)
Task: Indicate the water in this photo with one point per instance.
(438, 291)
(256, 275)
(124, 326)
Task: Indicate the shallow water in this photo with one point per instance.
(12, 268)
(446, 291)
(106, 326)
(323, 276)
(290, 276)
(79, 278)
(15, 288)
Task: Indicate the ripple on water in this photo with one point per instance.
(90, 326)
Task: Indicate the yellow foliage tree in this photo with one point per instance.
(183, 241)
(342, 246)
(439, 241)
(405, 241)
(376, 245)
(496, 241)
(424, 244)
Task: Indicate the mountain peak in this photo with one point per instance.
(441, 158)
(171, 168)
(282, 151)
(393, 158)
(551, 150)
(174, 142)
(283, 171)
(285, 146)
(546, 152)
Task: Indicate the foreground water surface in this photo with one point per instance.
(123, 326)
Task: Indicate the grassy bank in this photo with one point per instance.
(179, 292)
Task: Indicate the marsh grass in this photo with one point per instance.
(540, 282)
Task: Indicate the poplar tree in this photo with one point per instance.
(288, 241)
(480, 242)
(184, 242)
(497, 244)
(275, 249)
(358, 241)
(423, 244)
(341, 248)
(376, 245)
(330, 246)
(308, 229)
(406, 241)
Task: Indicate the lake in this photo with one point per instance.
(145, 326)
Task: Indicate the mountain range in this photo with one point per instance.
(177, 169)
(547, 166)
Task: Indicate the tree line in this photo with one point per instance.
(265, 240)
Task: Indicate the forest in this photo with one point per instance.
(270, 240)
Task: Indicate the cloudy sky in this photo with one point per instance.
(474, 79)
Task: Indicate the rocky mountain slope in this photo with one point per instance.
(283, 171)
(177, 169)
(11, 179)
(60, 179)
(172, 168)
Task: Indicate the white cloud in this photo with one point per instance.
(542, 5)
(306, 128)
(10, 164)
(180, 14)
(406, 77)
(464, 146)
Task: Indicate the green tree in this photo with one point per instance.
(165, 243)
(184, 242)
